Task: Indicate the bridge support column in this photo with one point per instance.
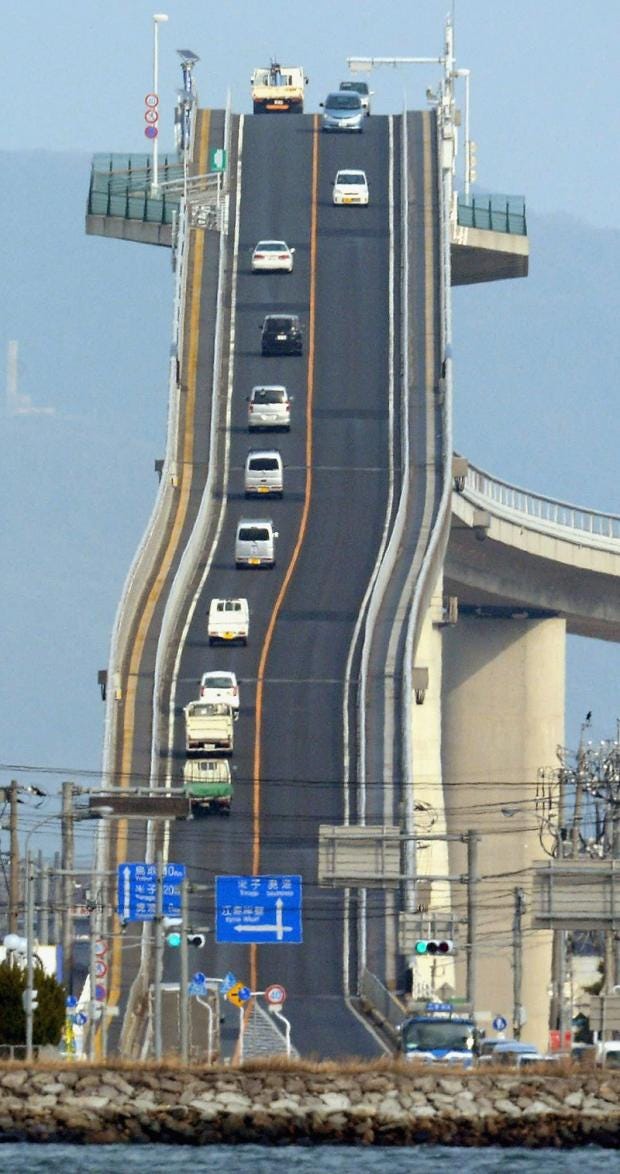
(503, 718)
(432, 857)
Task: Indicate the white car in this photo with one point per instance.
(269, 407)
(350, 187)
(220, 686)
(272, 256)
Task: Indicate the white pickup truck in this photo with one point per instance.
(229, 621)
(208, 727)
(278, 89)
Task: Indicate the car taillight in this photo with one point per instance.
(235, 691)
(282, 256)
(259, 256)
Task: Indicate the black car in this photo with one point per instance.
(281, 335)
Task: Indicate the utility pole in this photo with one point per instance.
(14, 864)
(67, 884)
(472, 915)
(159, 954)
(92, 961)
(517, 963)
(184, 984)
(56, 902)
(615, 851)
(29, 954)
(44, 932)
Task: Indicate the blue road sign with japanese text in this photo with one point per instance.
(137, 891)
(258, 909)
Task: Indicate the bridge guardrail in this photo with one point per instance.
(194, 549)
(543, 513)
(390, 1010)
(492, 212)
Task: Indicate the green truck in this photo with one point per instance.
(208, 784)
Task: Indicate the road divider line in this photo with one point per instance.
(152, 599)
(303, 525)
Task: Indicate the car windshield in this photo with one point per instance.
(357, 87)
(351, 177)
(279, 324)
(263, 464)
(210, 682)
(229, 605)
(444, 1034)
(343, 101)
(207, 709)
(268, 395)
(253, 533)
(271, 247)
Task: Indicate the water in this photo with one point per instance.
(253, 1159)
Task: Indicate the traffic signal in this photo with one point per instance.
(174, 938)
(434, 947)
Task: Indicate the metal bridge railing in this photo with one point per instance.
(543, 512)
(495, 212)
(120, 186)
(381, 999)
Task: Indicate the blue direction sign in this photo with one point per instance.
(499, 1023)
(137, 891)
(258, 909)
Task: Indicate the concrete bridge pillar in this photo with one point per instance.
(503, 718)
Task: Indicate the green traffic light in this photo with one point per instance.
(421, 947)
(173, 939)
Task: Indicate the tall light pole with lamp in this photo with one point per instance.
(158, 18)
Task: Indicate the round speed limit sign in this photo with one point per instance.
(275, 994)
(151, 100)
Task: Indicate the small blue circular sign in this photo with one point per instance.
(71, 1001)
(199, 978)
(81, 1018)
(499, 1023)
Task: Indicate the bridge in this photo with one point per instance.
(395, 558)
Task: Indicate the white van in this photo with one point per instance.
(269, 407)
(264, 473)
(255, 543)
(229, 621)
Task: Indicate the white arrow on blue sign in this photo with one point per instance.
(499, 1023)
(261, 909)
(137, 890)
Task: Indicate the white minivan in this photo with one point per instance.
(255, 543)
(269, 407)
(264, 473)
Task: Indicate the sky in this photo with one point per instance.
(543, 76)
(93, 317)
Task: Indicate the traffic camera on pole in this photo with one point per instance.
(434, 947)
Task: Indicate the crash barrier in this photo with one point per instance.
(120, 185)
(493, 212)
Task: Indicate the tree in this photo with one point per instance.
(49, 1015)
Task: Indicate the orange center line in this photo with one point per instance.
(303, 525)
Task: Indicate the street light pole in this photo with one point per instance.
(158, 18)
(29, 954)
